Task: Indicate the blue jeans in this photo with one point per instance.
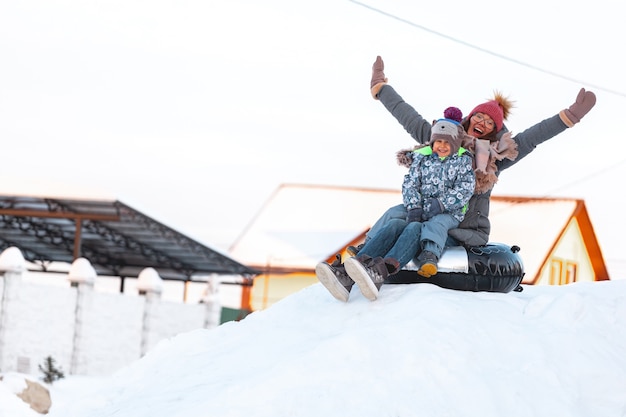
(399, 212)
(395, 212)
(435, 233)
(396, 239)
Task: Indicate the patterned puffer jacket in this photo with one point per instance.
(450, 180)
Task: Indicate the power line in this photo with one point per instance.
(486, 51)
(443, 35)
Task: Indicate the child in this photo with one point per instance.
(435, 194)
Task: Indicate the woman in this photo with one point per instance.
(493, 147)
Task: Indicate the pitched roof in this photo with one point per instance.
(301, 225)
(536, 224)
(117, 239)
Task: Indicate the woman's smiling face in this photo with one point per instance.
(480, 125)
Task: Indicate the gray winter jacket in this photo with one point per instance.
(475, 228)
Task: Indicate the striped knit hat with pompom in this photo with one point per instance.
(449, 129)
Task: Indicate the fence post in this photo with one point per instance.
(211, 300)
(150, 285)
(12, 266)
(82, 277)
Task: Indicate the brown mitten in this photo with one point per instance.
(584, 103)
(378, 77)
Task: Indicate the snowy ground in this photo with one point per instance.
(417, 350)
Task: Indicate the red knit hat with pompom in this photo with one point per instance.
(498, 109)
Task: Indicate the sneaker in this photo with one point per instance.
(335, 279)
(354, 250)
(427, 264)
(369, 274)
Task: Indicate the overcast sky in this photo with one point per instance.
(193, 112)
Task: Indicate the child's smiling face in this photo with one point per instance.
(441, 147)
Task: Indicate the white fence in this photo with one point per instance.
(88, 332)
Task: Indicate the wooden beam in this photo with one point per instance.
(59, 215)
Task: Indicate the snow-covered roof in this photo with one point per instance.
(533, 224)
(302, 224)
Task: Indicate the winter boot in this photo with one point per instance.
(427, 264)
(354, 250)
(393, 266)
(368, 273)
(334, 278)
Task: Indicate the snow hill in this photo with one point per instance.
(419, 350)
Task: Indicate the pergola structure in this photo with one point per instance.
(116, 239)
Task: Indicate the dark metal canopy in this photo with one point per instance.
(115, 238)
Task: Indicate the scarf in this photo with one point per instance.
(486, 154)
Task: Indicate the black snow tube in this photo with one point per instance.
(494, 267)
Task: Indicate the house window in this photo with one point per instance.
(562, 272)
(556, 268)
(570, 272)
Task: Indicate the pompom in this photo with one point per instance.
(453, 113)
(504, 102)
